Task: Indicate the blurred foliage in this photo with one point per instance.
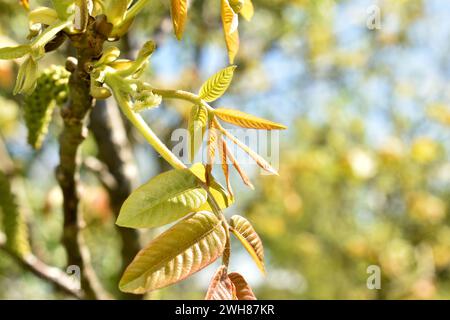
(365, 167)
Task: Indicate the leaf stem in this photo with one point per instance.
(148, 133)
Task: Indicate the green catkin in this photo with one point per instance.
(13, 221)
(51, 90)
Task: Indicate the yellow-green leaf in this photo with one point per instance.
(247, 10)
(221, 287)
(162, 200)
(221, 196)
(42, 15)
(179, 11)
(216, 85)
(230, 31)
(245, 120)
(8, 53)
(187, 247)
(197, 125)
(26, 77)
(243, 289)
(244, 231)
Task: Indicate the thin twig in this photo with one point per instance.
(53, 275)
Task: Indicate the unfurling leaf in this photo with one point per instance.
(243, 290)
(231, 33)
(162, 200)
(245, 120)
(8, 53)
(258, 159)
(187, 247)
(26, 77)
(247, 10)
(225, 166)
(179, 11)
(81, 15)
(238, 168)
(221, 287)
(13, 221)
(244, 231)
(198, 121)
(216, 85)
(221, 196)
(42, 15)
(115, 10)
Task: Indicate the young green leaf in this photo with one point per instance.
(198, 121)
(216, 86)
(245, 120)
(243, 289)
(26, 77)
(187, 247)
(244, 231)
(42, 15)
(230, 31)
(162, 200)
(9, 53)
(221, 287)
(223, 198)
(179, 11)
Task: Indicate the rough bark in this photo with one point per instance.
(89, 46)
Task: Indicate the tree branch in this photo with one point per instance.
(50, 274)
(89, 46)
(115, 152)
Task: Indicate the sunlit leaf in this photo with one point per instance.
(243, 289)
(162, 200)
(231, 33)
(247, 10)
(245, 120)
(221, 287)
(179, 11)
(216, 85)
(8, 53)
(42, 15)
(247, 235)
(221, 196)
(187, 247)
